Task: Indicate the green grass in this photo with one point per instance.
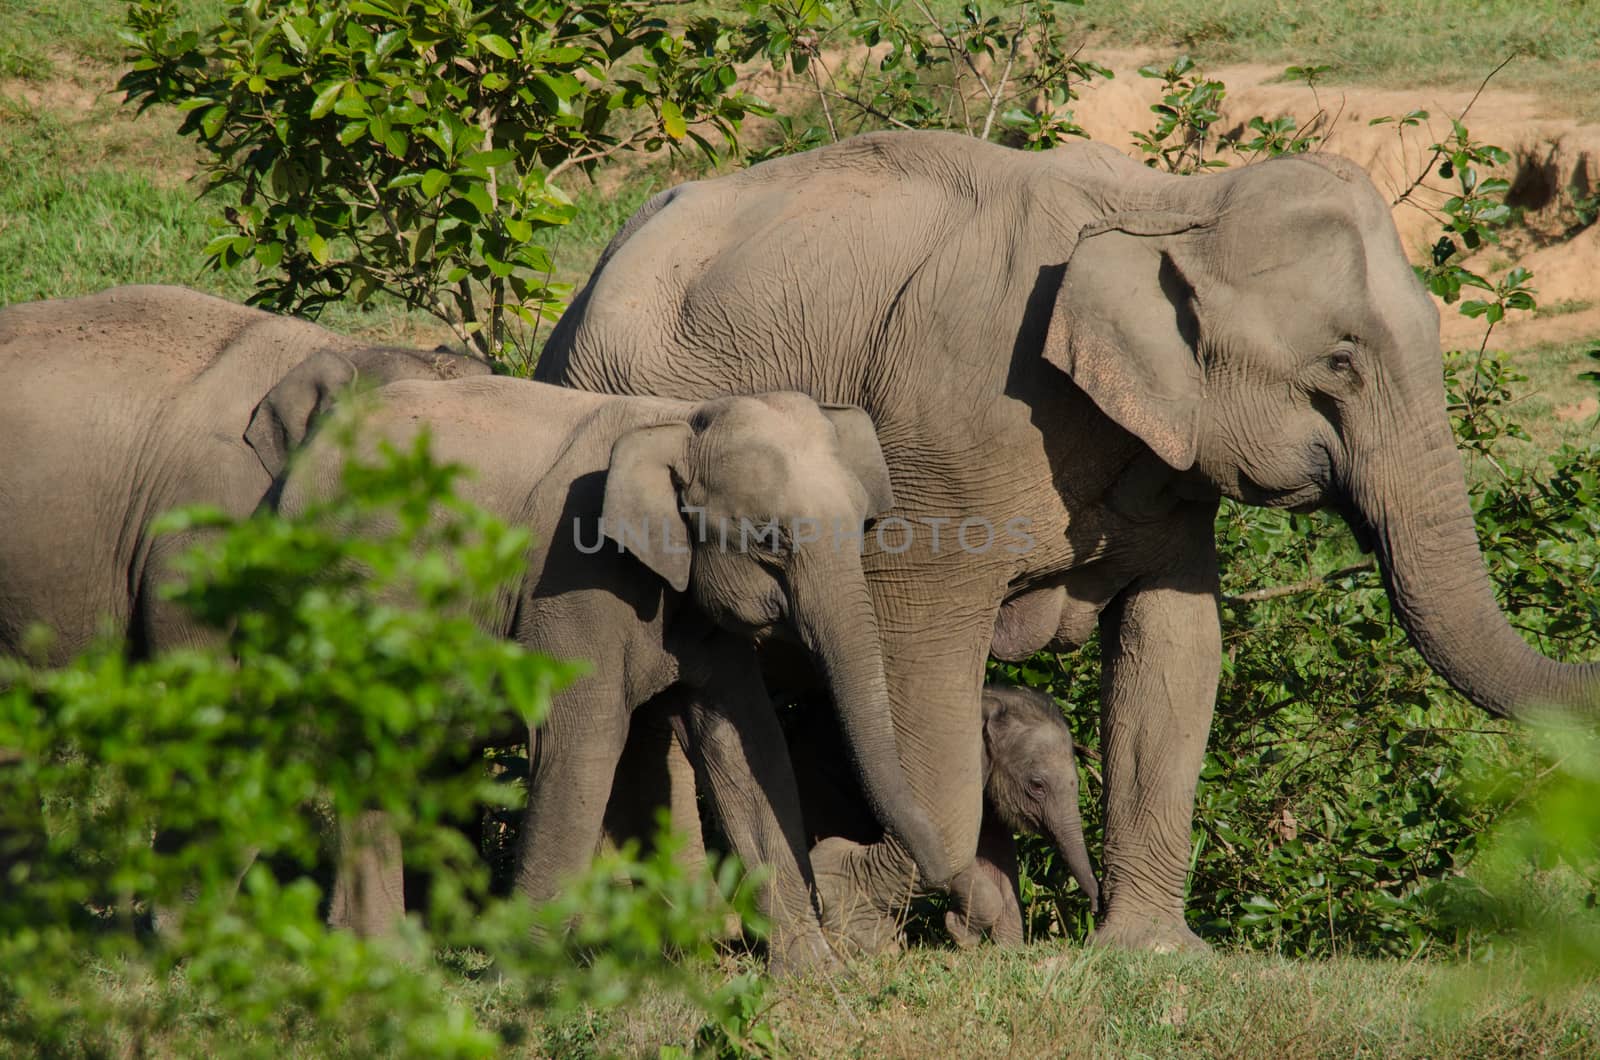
(89, 201)
(1549, 403)
(41, 39)
(1048, 1000)
(1403, 42)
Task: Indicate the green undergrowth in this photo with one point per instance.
(1059, 1000)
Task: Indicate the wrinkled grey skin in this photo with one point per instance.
(671, 614)
(1101, 350)
(119, 406)
(125, 404)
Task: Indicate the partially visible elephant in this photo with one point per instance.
(122, 405)
(1031, 787)
(669, 537)
(1071, 357)
(119, 406)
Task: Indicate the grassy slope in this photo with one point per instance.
(89, 198)
(1413, 42)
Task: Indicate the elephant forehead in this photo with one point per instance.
(767, 480)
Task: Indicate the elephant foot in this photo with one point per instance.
(984, 903)
(801, 955)
(853, 918)
(1153, 934)
(963, 932)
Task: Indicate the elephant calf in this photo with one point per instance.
(1030, 786)
(671, 537)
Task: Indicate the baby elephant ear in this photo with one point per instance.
(285, 417)
(641, 510)
(858, 446)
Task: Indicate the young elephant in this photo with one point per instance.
(647, 561)
(1030, 786)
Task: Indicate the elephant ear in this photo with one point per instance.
(859, 448)
(285, 417)
(1124, 328)
(641, 509)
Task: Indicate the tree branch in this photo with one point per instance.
(1005, 75)
(1306, 585)
(1438, 152)
(595, 156)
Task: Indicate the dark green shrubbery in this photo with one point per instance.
(411, 146)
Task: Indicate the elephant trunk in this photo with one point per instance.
(833, 614)
(1417, 509)
(1066, 831)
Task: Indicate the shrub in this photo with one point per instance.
(412, 146)
(353, 675)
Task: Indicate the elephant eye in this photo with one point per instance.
(1036, 786)
(1342, 359)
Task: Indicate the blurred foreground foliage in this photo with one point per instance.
(346, 674)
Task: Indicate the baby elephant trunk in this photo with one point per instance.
(1067, 833)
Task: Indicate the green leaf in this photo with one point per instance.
(478, 196)
(496, 266)
(672, 120)
(327, 96)
(433, 182)
(211, 121)
(563, 86)
(498, 45)
(317, 247)
(268, 255)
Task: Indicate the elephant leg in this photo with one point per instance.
(654, 773)
(369, 896)
(986, 895)
(572, 765)
(1162, 648)
(733, 736)
(934, 654)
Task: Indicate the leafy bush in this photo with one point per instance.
(1537, 879)
(982, 73)
(352, 679)
(411, 146)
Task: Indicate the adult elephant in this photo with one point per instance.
(122, 405)
(1100, 351)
